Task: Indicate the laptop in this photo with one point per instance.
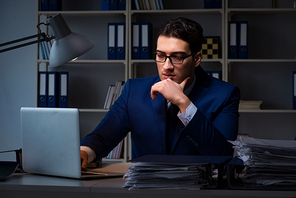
(51, 143)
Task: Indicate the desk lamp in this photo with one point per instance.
(67, 45)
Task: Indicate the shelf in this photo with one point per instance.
(180, 11)
(82, 13)
(268, 111)
(90, 61)
(261, 10)
(260, 60)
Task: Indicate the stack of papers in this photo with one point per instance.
(175, 172)
(268, 162)
(165, 176)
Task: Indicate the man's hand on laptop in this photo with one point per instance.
(84, 158)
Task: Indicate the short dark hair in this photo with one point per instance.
(186, 30)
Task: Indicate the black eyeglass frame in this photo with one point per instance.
(183, 58)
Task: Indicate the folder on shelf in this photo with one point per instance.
(42, 89)
(63, 89)
(121, 4)
(43, 5)
(137, 4)
(217, 3)
(208, 4)
(146, 40)
(294, 89)
(110, 4)
(233, 46)
(136, 40)
(110, 96)
(112, 41)
(152, 4)
(52, 96)
(107, 96)
(54, 5)
(120, 49)
(217, 74)
(160, 5)
(105, 4)
(113, 4)
(147, 4)
(157, 5)
(243, 40)
(117, 91)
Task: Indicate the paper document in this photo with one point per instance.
(269, 162)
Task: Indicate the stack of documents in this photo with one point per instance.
(269, 163)
(173, 172)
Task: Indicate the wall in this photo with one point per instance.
(17, 70)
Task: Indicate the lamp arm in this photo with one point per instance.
(41, 37)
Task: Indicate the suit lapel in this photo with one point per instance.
(196, 95)
(159, 108)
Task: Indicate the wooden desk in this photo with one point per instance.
(28, 185)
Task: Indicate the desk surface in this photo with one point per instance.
(29, 185)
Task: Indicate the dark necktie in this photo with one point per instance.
(172, 126)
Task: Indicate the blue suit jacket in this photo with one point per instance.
(215, 121)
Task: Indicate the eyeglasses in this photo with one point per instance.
(161, 58)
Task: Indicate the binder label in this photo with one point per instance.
(111, 36)
(233, 34)
(120, 36)
(136, 36)
(42, 87)
(51, 84)
(243, 35)
(145, 36)
(63, 84)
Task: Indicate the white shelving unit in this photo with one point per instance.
(92, 74)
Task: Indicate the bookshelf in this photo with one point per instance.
(269, 67)
(267, 73)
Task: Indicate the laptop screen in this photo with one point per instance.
(51, 141)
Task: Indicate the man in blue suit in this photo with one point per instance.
(206, 114)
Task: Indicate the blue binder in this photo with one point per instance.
(294, 89)
(54, 5)
(217, 3)
(121, 4)
(146, 39)
(42, 89)
(52, 91)
(208, 4)
(63, 89)
(233, 46)
(112, 41)
(113, 4)
(120, 49)
(105, 4)
(243, 40)
(43, 5)
(137, 5)
(136, 40)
